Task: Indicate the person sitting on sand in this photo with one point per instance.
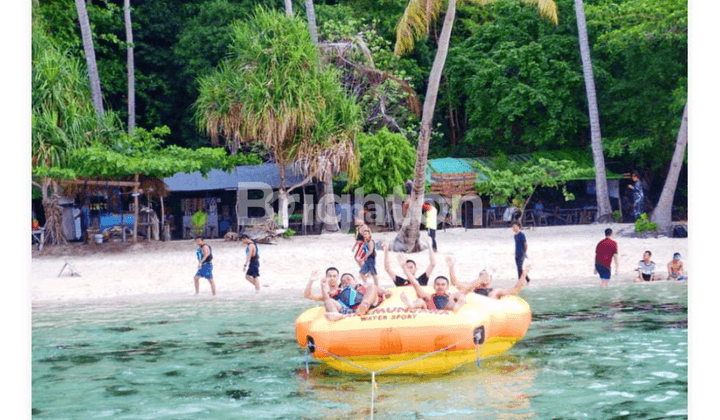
(252, 261)
(350, 298)
(400, 281)
(676, 269)
(332, 275)
(441, 299)
(205, 257)
(646, 269)
(481, 285)
(360, 227)
(367, 261)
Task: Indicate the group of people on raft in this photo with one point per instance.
(342, 295)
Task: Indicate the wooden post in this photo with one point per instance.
(162, 219)
(136, 195)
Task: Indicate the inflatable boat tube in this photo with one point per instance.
(397, 340)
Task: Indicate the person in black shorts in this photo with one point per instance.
(411, 266)
(252, 262)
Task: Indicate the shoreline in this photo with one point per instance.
(559, 256)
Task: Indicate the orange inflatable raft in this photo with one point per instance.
(397, 340)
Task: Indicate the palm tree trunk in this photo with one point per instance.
(54, 234)
(310, 10)
(662, 215)
(407, 238)
(131, 69)
(89, 48)
(288, 8)
(601, 189)
(331, 218)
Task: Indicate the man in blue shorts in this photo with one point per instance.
(204, 256)
(605, 252)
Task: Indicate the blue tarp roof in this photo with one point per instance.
(452, 166)
(467, 165)
(220, 180)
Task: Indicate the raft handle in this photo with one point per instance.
(310, 344)
(478, 335)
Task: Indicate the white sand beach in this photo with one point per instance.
(559, 256)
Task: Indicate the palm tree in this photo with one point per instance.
(89, 48)
(662, 215)
(273, 89)
(130, 67)
(414, 25)
(310, 10)
(601, 189)
(63, 118)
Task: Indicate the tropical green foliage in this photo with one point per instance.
(386, 161)
(143, 153)
(513, 183)
(643, 224)
(641, 49)
(275, 89)
(63, 117)
(512, 82)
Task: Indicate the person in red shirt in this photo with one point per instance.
(605, 252)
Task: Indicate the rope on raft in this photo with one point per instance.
(373, 387)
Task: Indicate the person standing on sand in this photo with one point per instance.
(252, 262)
(204, 256)
(431, 221)
(520, 249)
(605, 252)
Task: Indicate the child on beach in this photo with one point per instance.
(367, 260)
(676, 269)
(360, 227)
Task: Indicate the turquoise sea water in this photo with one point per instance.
(620, 353)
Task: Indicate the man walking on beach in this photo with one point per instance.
(204, 256)
(520, 249)
(252, 262)
(605, 252)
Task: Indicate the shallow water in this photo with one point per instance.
(619, 353)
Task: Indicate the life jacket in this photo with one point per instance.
(436, 301)
(257, 251)
(199, 254)
(366, 249)
(351, 297)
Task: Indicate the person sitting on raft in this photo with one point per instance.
(441, 299)
(350, 298)
(367, 261)
(332, 275)
(410, 264)
(481, 285)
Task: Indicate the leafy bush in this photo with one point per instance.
(643, 223)
(288, 233)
